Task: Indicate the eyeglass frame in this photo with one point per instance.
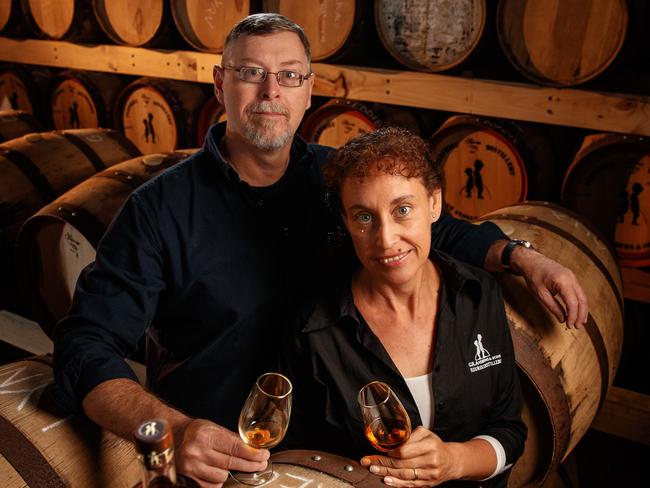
(266, 73)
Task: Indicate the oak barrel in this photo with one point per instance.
(44, 447)
(607, 182)
(16, 123)
(339, 120)
(11, 21)
(333, 27)
(135, 22)
(70, 20)
(211, 113)
(159, 115)
(561, 43)
(490, 163)
(83, 99)
(23, 87)
(55, 244)
(430, 35)
(566, 373)
(205, 24)
(318, 469)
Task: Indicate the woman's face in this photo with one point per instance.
(389, 219)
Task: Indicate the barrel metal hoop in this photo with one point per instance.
(32, 172)
(90, 154)
(89, 226)
(601, 353)
(330, 464)
(535, 365)
(26, 459)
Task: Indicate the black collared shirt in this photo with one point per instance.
(476, 387)
(210, 267)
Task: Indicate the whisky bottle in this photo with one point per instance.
(154, 443)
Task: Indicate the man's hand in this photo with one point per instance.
(207, 452)
(547, 279)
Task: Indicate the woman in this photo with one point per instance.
(431, 327)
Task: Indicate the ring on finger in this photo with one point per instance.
(415, 473)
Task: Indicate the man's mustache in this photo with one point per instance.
(273, 107)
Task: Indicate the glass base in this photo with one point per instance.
(256, 478)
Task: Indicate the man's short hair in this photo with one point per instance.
(388, 150)
(261, 25)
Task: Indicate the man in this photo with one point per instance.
(216, 251)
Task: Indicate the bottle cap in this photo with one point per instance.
(154, 441)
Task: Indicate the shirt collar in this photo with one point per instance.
(338, 306)
(298, 155)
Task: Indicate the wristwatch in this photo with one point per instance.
(507, 252)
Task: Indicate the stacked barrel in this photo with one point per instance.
(74, 144)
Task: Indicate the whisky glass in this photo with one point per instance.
(263, 421)
(386, 423)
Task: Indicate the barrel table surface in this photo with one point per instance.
(317, 469)
(42, 447)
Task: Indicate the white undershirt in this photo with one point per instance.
(420, 387)
(422, 392)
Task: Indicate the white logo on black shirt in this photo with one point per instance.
(482, 358)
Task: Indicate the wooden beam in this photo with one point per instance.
(609, 112)
(625, 414)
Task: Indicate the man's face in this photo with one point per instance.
(265, 114)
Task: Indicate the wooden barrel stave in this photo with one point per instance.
(39, 167)
(205, 26)
(83, 99)
(601, 184)
(430, 35)
(543, 42)
(144, 23)
(514, 161)
(170, 107)
(339, 120)
(23, 88)
(56, 243)
(333, 27)
(70, 20)
(16, 123)
(569, 370)
(43, 446)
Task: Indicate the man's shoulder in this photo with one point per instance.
(174, 177)
(321, 153)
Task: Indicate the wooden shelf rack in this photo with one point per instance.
(610, 112)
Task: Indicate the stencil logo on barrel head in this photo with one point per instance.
(482, 358)
(632, 235)
(483, 171)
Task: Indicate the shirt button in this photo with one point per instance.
(441, 405)
(437, 368)
(260, 202)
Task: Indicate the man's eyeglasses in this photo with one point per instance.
(258, 75)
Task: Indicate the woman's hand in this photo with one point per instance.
(425, 460)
